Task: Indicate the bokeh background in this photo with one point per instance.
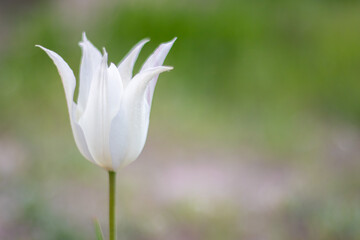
(254, 135)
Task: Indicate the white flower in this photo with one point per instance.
(111, 118)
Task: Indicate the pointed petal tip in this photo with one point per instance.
(142, 43)
(44, 48)
(104, 59)
(104, 51)
(160, 69)
(83, 39)
(105, 55)
(145, 40)
(167, 68)
(112, 65)
(39, 46)
(171, 42)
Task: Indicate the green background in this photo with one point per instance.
(253, 135)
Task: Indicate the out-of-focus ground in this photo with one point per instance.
(254, 135)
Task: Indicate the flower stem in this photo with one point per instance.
(112, 203)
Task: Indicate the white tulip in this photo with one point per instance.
(111, 118)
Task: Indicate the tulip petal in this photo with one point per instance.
(115, 90)
(67, 75)
(127, 64)
(141, 80)
(69, 83)
(129, 127)
(103, 104)
(90, 61)
(156, 59)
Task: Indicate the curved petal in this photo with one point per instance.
(115, 90)
(90, 61)
(139, 83)
(156, 59)
(66, 74)
(102, 106)
(79, 136)
(129, 128)
(119, 137)
(126, 66)
(69, 83)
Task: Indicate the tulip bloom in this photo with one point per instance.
(111, 118)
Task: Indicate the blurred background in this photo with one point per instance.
(254, 135)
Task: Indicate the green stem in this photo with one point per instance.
(112, 208)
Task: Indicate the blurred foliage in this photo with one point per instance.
(313, 219)
(274, 75)
(252, 71)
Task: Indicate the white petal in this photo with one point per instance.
(90, 61)
(127, 64)
(129, 128)
(66, 74)
(119, 137)
(69, 83)
(156, 59)
(115, 90)
(141, 80)
(103, 104)
(79, 136)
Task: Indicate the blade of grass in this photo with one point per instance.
(98, 231)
